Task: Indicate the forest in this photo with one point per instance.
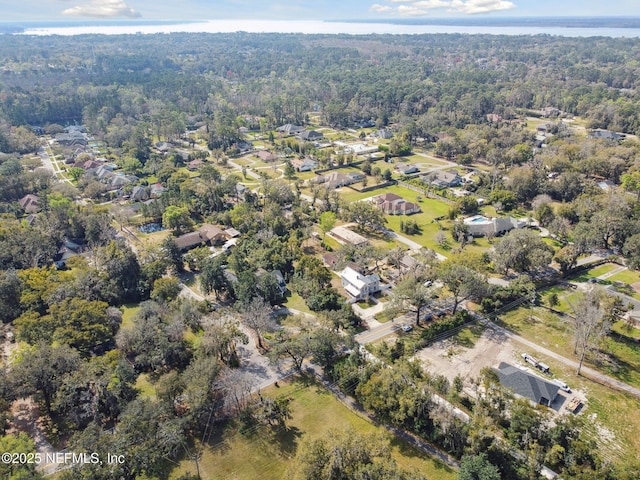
(133, 344)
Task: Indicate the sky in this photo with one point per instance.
(57, 10)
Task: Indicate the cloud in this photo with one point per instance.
(416, 8)
(376, 7)
(472, 7)
(102, 9)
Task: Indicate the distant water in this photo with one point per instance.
(588, 29)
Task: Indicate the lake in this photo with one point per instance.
(330, 27)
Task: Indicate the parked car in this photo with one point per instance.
(563, 386)
(406, 328)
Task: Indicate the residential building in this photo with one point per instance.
(406, 169)
(207, 234)
(329, 260)
(266, 156)
(393, 204)
(334, 180)
(479, 225)
(304, 164)
(525, 384)
(310, 136)
(359, 286)
(345, 235)
(605, 135)
(442, 179)
(30, 203)
(157, 190)
(384, 133)
(356, 176)
(290, 129)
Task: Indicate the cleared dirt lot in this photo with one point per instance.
(450, 358)
(467, 358)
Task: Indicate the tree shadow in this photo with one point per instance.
(287, 439)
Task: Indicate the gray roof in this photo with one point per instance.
(527, 385)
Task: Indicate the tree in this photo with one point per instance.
(10, 290)
(96, 392)
(631, 251)
(257, 315)
(327, 221)
(478, 467)
(365, 214)
(18, 444)
(590, 323)
(348, 455)
(461, 281)
(521, 250)
(411, 294)
(177, 219)
(289, 171)
(631, 183)
(41, 370)
(221, 336)
(121, 273)
(173, 254)
(165, 289)
(324, 347)
(213, 277)
(285, 345)
(567, 258)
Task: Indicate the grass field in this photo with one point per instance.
(627, 276)
(268, 454)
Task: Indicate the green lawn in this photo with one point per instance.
(129, 312)
(627, 276)
(145, 387)
(595, 272)
(296, 302)
(268, 454)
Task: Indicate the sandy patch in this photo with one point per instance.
(450, 359)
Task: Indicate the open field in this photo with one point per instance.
(267, 453)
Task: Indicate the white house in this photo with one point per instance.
(359, 286)
(480, 225)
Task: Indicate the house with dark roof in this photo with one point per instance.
(605, 135)
(310, 136)
(384, 133)
(393, 204)
(290, 129)
(527, 385)
(207, 234)
(30, 203)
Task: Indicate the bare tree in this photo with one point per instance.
(590, 323)
(258, 317)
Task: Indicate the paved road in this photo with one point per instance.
(378, 332)
(585, 371)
